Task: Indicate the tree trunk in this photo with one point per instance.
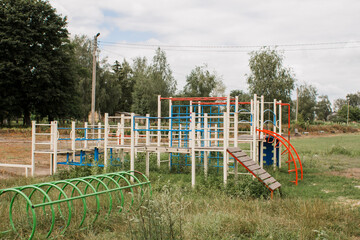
(26, 120)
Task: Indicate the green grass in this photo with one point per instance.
(325, 205)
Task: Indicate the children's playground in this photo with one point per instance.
(206, 132)
(198, 136)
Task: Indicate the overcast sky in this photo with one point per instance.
(295, 26)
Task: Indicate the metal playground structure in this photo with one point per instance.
(192, 131)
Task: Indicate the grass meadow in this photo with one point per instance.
(325, 205)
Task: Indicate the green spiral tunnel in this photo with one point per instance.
(54, 205)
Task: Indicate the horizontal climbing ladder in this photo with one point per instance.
(254, 169)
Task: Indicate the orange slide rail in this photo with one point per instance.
(292, 153)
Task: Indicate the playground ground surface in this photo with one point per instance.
(325, 205)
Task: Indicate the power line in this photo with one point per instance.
(234, 48)
(233, 51)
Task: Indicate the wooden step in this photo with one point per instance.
(254, 168)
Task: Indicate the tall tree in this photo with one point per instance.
(35, 60)
(243, 96)
(150, 81)
(307, 102)
(354, 113)
(354, 99)
(339, 103)
(269, 77)
(83, 65)
(202, 83)
(323, 107)
(123, 74)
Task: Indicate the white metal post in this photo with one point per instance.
(72, 137)
(180, 136)
(99, 134)
(280, 131)
(33, 139)
(225, 140)
(147, 171)
(55, 144)
(122, 141)
(106, 136)
(206, 144)
(118, 133)
(86, 135)
(193, 159)
(136, 138)
(170, 128)
(236, 135)
(159, 133)
(261, 134)
(132, 150)
(275, 130)
(198, 134)
(52, 153)
(255, 117)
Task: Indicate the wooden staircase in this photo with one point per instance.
(254, 169)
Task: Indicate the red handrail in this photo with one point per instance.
(288, 147)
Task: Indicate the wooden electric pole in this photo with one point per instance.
(93, 81)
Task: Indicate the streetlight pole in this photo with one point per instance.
(94, 81)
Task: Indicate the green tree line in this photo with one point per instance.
(46, 74)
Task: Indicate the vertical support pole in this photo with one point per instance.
(159, 133)
(170, 136)
(33, 139)
(73, 136)
(52, 148)
(86, 135)
(106, 136)
(180, 136)
(99, 134)
(227, 124)
(252, 128)
(122, 141)
(236, 134)
(225, 140)
(254, 125)
(216, 134)
(198, 134)
(55, 126)
(132, 149)
(147, 160)
(118, 133)
(261, 133)
(280, 130)
(206, 144)
(275, 130)
(193, 162)
(136, 138)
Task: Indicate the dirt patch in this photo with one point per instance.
(349, 173)
(15, 148)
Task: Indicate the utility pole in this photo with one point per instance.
(347, 120)
(94, 82)
(297, 104)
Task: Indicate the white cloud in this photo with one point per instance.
(334, 71)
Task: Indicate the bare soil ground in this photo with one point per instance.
(15, 147)
(350, 173)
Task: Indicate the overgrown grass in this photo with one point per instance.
(324, 205)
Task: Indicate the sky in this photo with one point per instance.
(320, 39)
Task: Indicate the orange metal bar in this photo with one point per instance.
(289, 145)
(283, 140)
